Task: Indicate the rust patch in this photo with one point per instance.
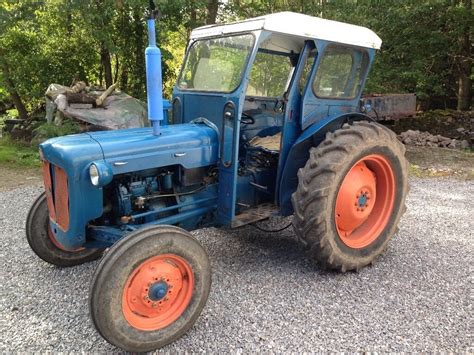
(61, 200)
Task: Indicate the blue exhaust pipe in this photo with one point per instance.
(154, 83)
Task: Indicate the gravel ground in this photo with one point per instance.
(266, 295)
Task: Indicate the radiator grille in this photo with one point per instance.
(56, 185)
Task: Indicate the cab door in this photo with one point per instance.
(212, 85)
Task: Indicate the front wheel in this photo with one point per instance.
(351, 196)
(150, 288)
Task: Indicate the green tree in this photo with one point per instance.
(427, 44)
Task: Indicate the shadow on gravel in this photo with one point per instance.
(280, 249)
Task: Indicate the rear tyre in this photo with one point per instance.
(42, 241)
(351, 196)
(150, 288)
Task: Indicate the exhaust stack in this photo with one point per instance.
(154, 83)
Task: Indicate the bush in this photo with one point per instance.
(50, 130)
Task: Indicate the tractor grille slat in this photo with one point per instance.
(56, 185)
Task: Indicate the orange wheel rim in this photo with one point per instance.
(365, 201)
(157, 292)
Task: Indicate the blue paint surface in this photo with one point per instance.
(158, 291)
(154, 82)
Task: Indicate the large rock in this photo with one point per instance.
(454, 144)
(465, 144)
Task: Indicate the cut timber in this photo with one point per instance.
(251, 215)
(78, 87)
(100, 100)
(79, 98)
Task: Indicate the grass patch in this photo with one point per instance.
(415, 170)
(20, 154)
(440, 162)
(15, 154)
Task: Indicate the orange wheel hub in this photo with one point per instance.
(157, 292)
(365, 201)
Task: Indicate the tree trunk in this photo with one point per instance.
(192, 22)
(464, 65)
(136, 75)
(105, 60)
(124, 79)
(212, 7)
(10, 85)
(68, 17)
(117, 68)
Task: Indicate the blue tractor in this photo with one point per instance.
(266, 121)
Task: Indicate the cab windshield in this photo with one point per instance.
(216, 64)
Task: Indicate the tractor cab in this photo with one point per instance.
(261, 83)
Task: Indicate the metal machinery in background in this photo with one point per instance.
(267, 121)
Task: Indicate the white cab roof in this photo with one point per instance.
(300, 25)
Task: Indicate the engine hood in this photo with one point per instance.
(189, 145)
(71, 152)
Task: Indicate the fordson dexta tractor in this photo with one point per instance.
(267, 121)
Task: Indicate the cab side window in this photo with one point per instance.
(269, 74)
(340, 73)
(307, 69)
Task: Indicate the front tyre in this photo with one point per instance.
(44, 244)
(351, 196)
(150, 288)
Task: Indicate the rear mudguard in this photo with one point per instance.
(299, 154)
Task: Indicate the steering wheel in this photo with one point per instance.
(279, 104)
(247, 119)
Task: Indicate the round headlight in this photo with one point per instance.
(94, 175)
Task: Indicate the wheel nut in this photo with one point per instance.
(153, 304)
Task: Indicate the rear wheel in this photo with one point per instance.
(351, 196)
(150, 288)
(42, 241)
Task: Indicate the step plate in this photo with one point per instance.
(251, 215)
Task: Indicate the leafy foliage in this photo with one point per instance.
(100, 41)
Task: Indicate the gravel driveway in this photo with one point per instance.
(266, 295)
